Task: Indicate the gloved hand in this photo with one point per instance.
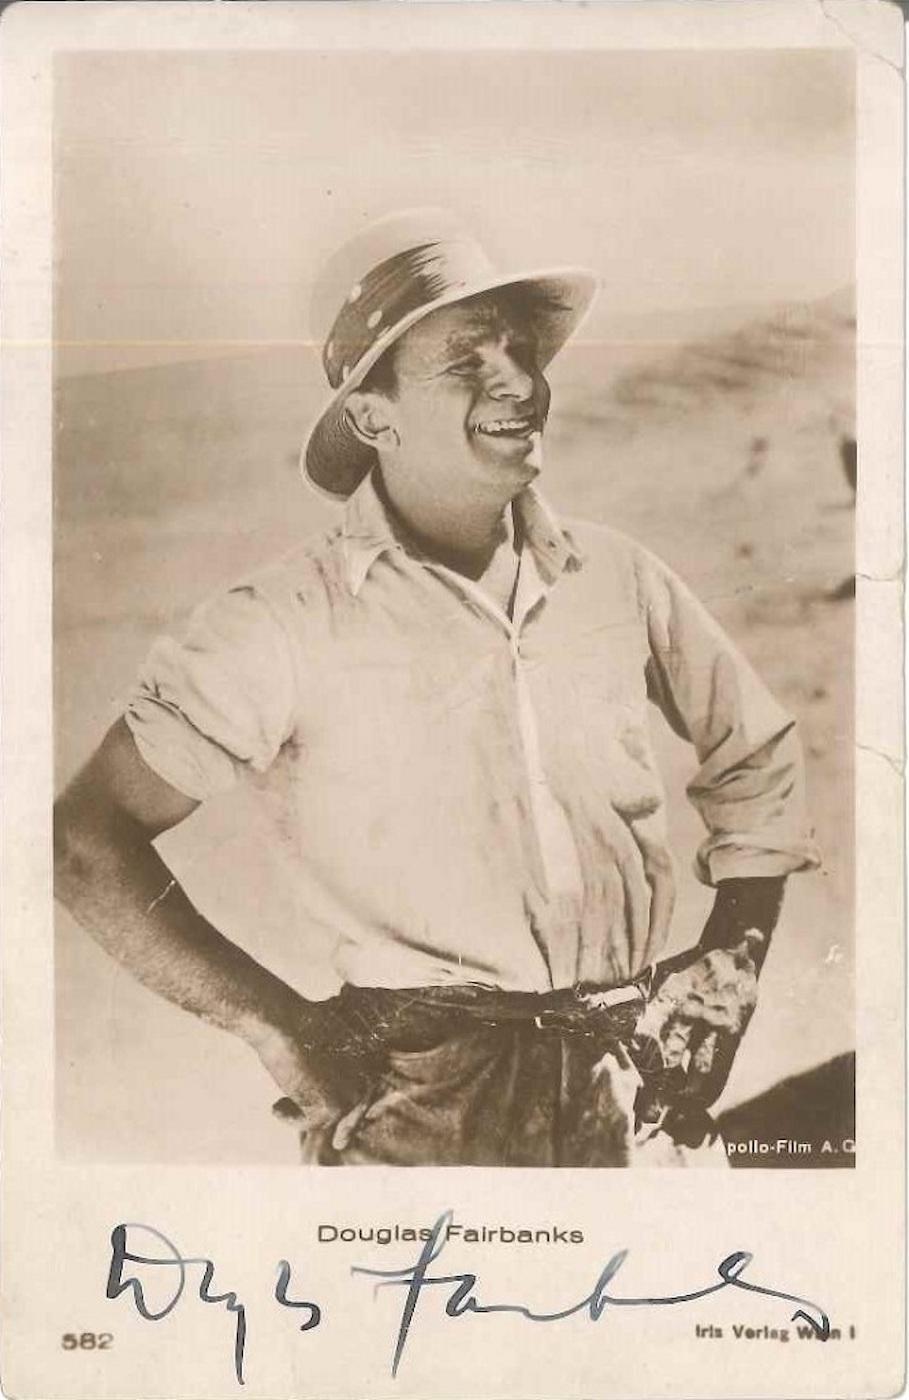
(700, 1006)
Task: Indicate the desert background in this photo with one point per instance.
(707, 409)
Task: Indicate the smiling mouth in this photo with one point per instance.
(508, 427)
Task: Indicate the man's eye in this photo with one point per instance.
(523, 350)
(470, 365)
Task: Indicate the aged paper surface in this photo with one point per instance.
(176, 177)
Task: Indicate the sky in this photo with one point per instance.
(196, 194)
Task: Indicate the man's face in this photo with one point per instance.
(471, 402)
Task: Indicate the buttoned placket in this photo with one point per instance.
(556, 854)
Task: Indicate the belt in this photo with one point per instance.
(364, 1020)
(362, 1023)
(419, 1017)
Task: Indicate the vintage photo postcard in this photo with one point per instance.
(452, 818)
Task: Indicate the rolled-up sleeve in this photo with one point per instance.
(220, 700)
(749, 788)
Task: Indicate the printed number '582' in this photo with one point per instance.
(87, 1341)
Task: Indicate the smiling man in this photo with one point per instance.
(445, 700)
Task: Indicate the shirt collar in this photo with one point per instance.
(367, 533)
(552, 545)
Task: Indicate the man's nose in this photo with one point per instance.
(509, 378)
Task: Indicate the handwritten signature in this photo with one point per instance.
(462, 1297)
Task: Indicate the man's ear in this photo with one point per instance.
(370, 417)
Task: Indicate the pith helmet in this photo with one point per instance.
(381, 283)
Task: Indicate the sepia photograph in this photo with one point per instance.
(454, 475)
(452, 632)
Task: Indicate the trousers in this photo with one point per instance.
(473, 1076)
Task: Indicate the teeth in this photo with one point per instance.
(509, 425)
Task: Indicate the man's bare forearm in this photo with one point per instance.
(112, 880)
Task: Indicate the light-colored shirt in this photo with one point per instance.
(467, 796)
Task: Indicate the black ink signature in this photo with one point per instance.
(173, 1259)
(462, 1299)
